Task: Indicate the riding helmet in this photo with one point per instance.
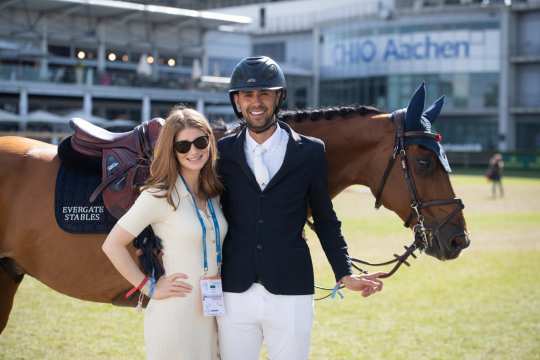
(257, 73)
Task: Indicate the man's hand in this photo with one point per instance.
(368, 284)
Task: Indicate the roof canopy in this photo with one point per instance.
(118, 10)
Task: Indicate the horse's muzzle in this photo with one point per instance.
(458, 243)
(448, 243)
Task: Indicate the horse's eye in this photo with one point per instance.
(424, 166)
(424, 163)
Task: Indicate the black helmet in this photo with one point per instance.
(257, 73)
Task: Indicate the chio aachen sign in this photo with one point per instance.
(420, 52)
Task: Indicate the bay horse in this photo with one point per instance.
(359, 143)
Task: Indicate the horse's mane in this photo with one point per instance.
(327, 113)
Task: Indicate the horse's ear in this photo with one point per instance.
(415, 108)
(434, 110)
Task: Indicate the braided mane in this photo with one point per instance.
(327, 113)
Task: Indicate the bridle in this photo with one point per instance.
(423, 236)
(426, 234)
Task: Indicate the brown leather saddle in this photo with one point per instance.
(125, 159)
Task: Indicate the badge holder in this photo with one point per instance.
(212, 297)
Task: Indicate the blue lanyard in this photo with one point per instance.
(216, 227)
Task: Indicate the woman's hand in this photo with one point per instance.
(171, 286)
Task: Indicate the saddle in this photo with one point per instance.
(125, 159)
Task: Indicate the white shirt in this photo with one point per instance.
(275, 147)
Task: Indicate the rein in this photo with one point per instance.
(423, 235)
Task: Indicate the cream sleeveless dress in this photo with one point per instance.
(175, 328)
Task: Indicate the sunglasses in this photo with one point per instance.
(184, 146)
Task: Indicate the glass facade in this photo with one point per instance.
(468, 130)
(366, 91)
(463, 92)
(527, 89)
(528, 133)
(475, 92)
(220, 66)
(274, 50)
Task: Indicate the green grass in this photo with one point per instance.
(483, 305)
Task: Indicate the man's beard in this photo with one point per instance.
(269, 122)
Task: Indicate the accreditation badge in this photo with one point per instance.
(212, 297)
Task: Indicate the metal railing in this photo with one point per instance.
(88, 75)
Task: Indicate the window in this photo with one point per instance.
(221, 66)
(468, 130)
(300, 98)
(275, 50)
(366, 91)
(528, 134)
(58, 50)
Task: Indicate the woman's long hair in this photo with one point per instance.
(165, 167)
(164, 171)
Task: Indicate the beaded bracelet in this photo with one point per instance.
(136, 288)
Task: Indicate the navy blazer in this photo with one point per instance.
(265, 240)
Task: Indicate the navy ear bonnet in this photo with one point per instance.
(416, 119)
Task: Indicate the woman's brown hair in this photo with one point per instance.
(165, 167)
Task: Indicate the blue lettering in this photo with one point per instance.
(343, 54)
(368, 51)
(465, 45)
(427, 49)
(354, 52)
(391, 50)
(417, 54)
(432, 48)
(405, 52)
(365, 51)
(449, 50)
(338, 54)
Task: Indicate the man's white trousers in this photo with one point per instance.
(283, 322)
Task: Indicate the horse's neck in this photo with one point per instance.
(353, 145)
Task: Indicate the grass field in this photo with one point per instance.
(483, 305)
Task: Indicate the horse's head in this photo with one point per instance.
(418, 188)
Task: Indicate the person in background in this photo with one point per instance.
(495, 173)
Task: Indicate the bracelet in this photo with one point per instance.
(136, 288)
(152, 287)
(337, 290)
(146, 288)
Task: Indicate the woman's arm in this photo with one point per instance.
(115, 247)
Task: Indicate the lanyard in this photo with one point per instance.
(203, 226)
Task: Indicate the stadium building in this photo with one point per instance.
(116, 63)
(483, 55)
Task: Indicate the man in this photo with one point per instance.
(271, 176)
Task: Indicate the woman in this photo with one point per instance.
(494, 173)
(180, 202)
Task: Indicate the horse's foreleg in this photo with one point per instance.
(9, 282)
